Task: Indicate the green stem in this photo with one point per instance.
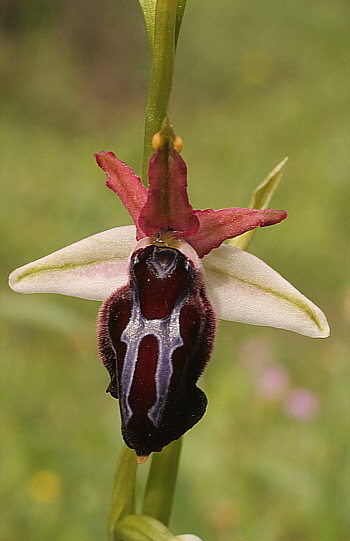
(160, 487)
(162, 72)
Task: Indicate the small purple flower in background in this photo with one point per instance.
(273, 383)
(302, 404)
(163, 282)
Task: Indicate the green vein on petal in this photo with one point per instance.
(244, 289)
(91, 269)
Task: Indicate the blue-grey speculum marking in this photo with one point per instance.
(167, 332)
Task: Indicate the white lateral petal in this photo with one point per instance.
(186, 537)
(244, 289)
(92, 268)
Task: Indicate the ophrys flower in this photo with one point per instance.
(162, 282)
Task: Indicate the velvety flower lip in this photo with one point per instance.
(156, 335)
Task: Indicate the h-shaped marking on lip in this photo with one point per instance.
(167, 332)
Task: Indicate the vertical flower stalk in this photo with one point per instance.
(160, 488)
(163, 33)
(168, 17)
(162, 71)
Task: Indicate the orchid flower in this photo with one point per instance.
(163, 282)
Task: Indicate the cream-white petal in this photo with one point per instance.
(92, 268)
(244, 289)
(186, 537)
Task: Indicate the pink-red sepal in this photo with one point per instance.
(123, 181)
(167, 206)
(219, 225)
(155, 338)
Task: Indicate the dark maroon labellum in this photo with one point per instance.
(155, 338)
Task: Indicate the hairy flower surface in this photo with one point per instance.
(162, 281)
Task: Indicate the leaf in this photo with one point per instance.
(149, 12)
(141, 528)
(260, 200)
(244, 289)
(123, 498)
(181, 4)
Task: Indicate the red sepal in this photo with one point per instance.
(219, 225)
(167, 206)
(123, 181)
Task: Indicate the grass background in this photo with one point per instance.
(254, 82)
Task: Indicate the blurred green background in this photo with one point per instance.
(254, 81)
